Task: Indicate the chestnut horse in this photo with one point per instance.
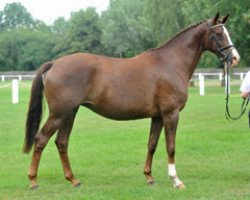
(152, 84)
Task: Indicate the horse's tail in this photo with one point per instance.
(34, 114)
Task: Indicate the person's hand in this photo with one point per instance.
(245, 95)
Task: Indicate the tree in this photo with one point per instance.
(21, 49)
(125, 29)
(24, 42)
(84, 32)
(35, 50)
(60, 32)
(15, 15)
(165, 17)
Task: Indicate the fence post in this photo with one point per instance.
(220, 76)
(3, 78)
(15, 96)
(202, 85)
(20, 77)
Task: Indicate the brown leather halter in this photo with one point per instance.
(224, 55)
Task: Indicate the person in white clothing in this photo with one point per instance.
(245, 86)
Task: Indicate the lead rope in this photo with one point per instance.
(243, 105)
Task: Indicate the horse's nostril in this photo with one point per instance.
(235, 60)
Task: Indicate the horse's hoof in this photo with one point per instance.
(180, 186)
(150, 182)
(34, 187)
(77, 184)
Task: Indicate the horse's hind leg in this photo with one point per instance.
(155, 130)
(41, 139)
(62, 146)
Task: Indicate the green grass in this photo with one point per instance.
(108, 156)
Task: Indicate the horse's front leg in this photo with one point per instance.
(155, 130)
(170, 124)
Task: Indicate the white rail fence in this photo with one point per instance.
(201, 77)
(196, 76)
(19, 77)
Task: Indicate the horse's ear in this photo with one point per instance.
(224, 20)
(216, 18)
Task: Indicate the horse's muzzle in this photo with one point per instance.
(230, 56)
(235, 57)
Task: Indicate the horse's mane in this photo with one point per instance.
(179, 33)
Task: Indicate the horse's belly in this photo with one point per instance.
(121, 112)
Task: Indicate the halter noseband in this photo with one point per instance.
(224, 56)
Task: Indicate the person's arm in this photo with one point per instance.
(245, 86)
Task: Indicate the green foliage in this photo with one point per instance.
(126, 32)
(165, 18)
(60, 31)
(125, 29)
(36, 50)
(15, 16)
(24, 50)
(25, 43)
(81, 33)
(85, 33)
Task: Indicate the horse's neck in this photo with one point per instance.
(184, 51)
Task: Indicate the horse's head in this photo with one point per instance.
(219, 41)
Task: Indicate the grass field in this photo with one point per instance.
(213, 155)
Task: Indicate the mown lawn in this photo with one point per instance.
(212, 154)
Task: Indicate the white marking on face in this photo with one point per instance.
(227, 34)
(236, 56)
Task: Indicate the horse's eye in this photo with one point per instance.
(220, 35)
